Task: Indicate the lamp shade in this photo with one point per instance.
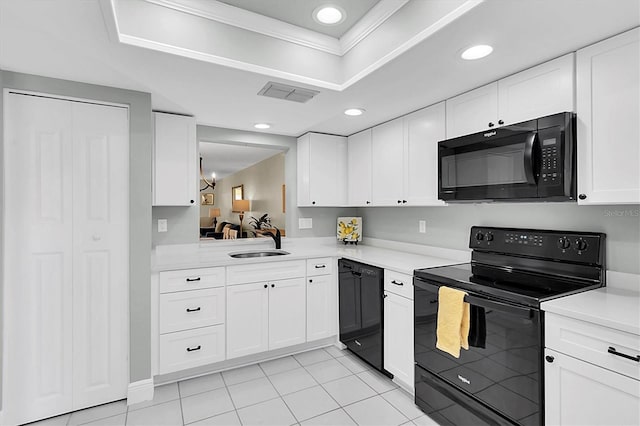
(241, 206)
(214, 212)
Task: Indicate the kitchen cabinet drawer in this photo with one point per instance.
(191, 309)
(191, 279)
(400, 284)
(320, 266)
(191, 348)
(591, 342)
(266, 271)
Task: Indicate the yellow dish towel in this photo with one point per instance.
(453, 321)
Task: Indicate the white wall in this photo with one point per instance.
(449, 226)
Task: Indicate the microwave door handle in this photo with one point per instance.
(529, 157)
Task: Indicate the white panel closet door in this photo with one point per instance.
(66, 256)
(100, 254)
(37, 259)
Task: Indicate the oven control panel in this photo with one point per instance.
(584, 247)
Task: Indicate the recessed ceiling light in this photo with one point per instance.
(477, 52)
(329, 14)
(354, 111)
(262, 126)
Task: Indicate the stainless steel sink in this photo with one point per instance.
(261, 253)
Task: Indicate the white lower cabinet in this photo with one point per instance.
(287, 313)
(208, 315)
(398, 327)
(322, 299)
(591, 374)
(578, 393)
(265, 316)
(191, 348)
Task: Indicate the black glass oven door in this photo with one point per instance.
(501, 166)
(503, 366)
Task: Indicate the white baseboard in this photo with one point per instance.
(139, 391)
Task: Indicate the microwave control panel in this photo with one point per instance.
(551, 157)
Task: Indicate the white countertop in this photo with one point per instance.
(205, 255)
(616, 306)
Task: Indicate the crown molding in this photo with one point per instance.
(369, 22)
(422, 35)
(250, 21)
(231, 63)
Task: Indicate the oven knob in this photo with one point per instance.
(489, 236)
(479, 236)
(564, 243)
(581, 245)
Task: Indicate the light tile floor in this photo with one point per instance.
(320, 387)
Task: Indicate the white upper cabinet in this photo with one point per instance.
(404, 159)
(322, 170)
(359, 168)
(608, 110)
(536, 92)
(539, 91)
(387, 146)
(423, 130)
(175, 166)
(472, 111)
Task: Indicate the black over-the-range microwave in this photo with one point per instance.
(530, 161)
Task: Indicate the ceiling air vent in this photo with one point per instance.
(286, 92)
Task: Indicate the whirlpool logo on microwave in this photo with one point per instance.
(489, 134)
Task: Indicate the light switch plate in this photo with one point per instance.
(162, 225)
(305, 223)
(422, 225)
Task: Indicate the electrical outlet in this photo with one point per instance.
(162, 225)
(422, 225)
(305, 223)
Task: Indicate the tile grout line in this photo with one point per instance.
(278, 392)
(180, 399)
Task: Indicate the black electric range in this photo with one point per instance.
(499, 380)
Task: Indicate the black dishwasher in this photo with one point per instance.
(361, 310)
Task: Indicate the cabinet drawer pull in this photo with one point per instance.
(197, 348)
(193, 279)
(320, 266)
(397, 282)
(613, 351)
(193, 310)
(358, 343)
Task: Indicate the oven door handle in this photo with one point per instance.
(523, 311)
(529, 158)
(499, 306)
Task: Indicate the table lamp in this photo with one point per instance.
(241, 206)
(215, 214)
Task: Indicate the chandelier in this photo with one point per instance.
(208, 183)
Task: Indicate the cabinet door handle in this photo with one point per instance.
(265, 286)
(404, 201)
(549, 358)
(399, 201)
(397, 282)
(582, 196)
(193, 310)
(197, 348)
(491, 124)
(368, 202)
(500, 122)
(193, 279)
(313, 202)
(310, 281)
(273, 285)
(192, 201)
(358, 343)
(320, 266)
(613, 351)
